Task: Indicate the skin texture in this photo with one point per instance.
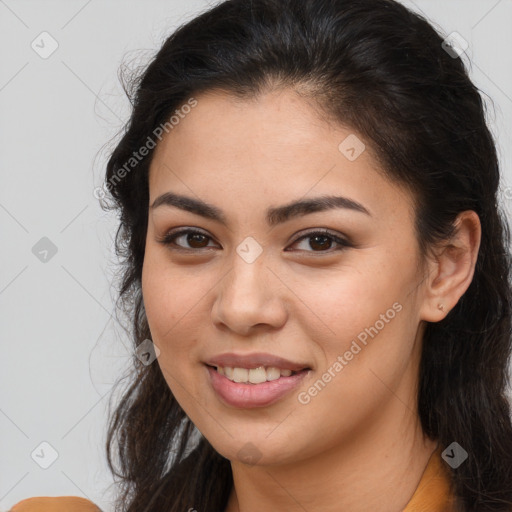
(358, 444)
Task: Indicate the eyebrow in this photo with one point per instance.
(274, 215)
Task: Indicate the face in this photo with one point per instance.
(233, 278)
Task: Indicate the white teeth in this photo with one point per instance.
(253, 375)
(240, 374)
(257, 375)
(273, 373)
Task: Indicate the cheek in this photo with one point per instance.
(170, 293)
(172, 307)
(172, 302)
(347, 301)
(361, 313)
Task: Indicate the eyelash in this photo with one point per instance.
(169, 238)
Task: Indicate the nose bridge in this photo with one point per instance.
(248, 294)
(247, 283)
(248, 273)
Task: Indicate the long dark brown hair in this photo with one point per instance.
(383, 70)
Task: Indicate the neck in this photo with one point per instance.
(377, 469)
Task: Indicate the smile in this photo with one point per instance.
(253, 375)
(256, 387)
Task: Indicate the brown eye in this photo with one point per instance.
(322, 241)
(195, 239)
(191, 239)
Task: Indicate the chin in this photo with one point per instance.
(257, 450)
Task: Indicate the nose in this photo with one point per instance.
(250, 298)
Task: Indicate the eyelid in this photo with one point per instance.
(321, 231)
(168, 238)
(341, 240)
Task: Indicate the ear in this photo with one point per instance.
(452, 267)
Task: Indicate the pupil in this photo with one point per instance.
(196, 236)
(315, 239)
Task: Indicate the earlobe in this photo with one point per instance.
(453, 268)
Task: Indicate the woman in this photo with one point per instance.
(316, 269)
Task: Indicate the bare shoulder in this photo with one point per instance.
(55, 504)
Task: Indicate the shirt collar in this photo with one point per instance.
(434, 492)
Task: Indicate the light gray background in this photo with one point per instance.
(61, 349)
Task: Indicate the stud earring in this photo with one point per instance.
(440, 306)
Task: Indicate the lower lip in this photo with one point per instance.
(248, 396)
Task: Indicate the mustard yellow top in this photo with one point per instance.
(433, 494)
(58, 504)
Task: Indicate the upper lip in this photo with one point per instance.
(254, 361)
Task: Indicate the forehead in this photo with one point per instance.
(270, 149)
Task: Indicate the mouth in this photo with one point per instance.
(248, 388)
(254, 375)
